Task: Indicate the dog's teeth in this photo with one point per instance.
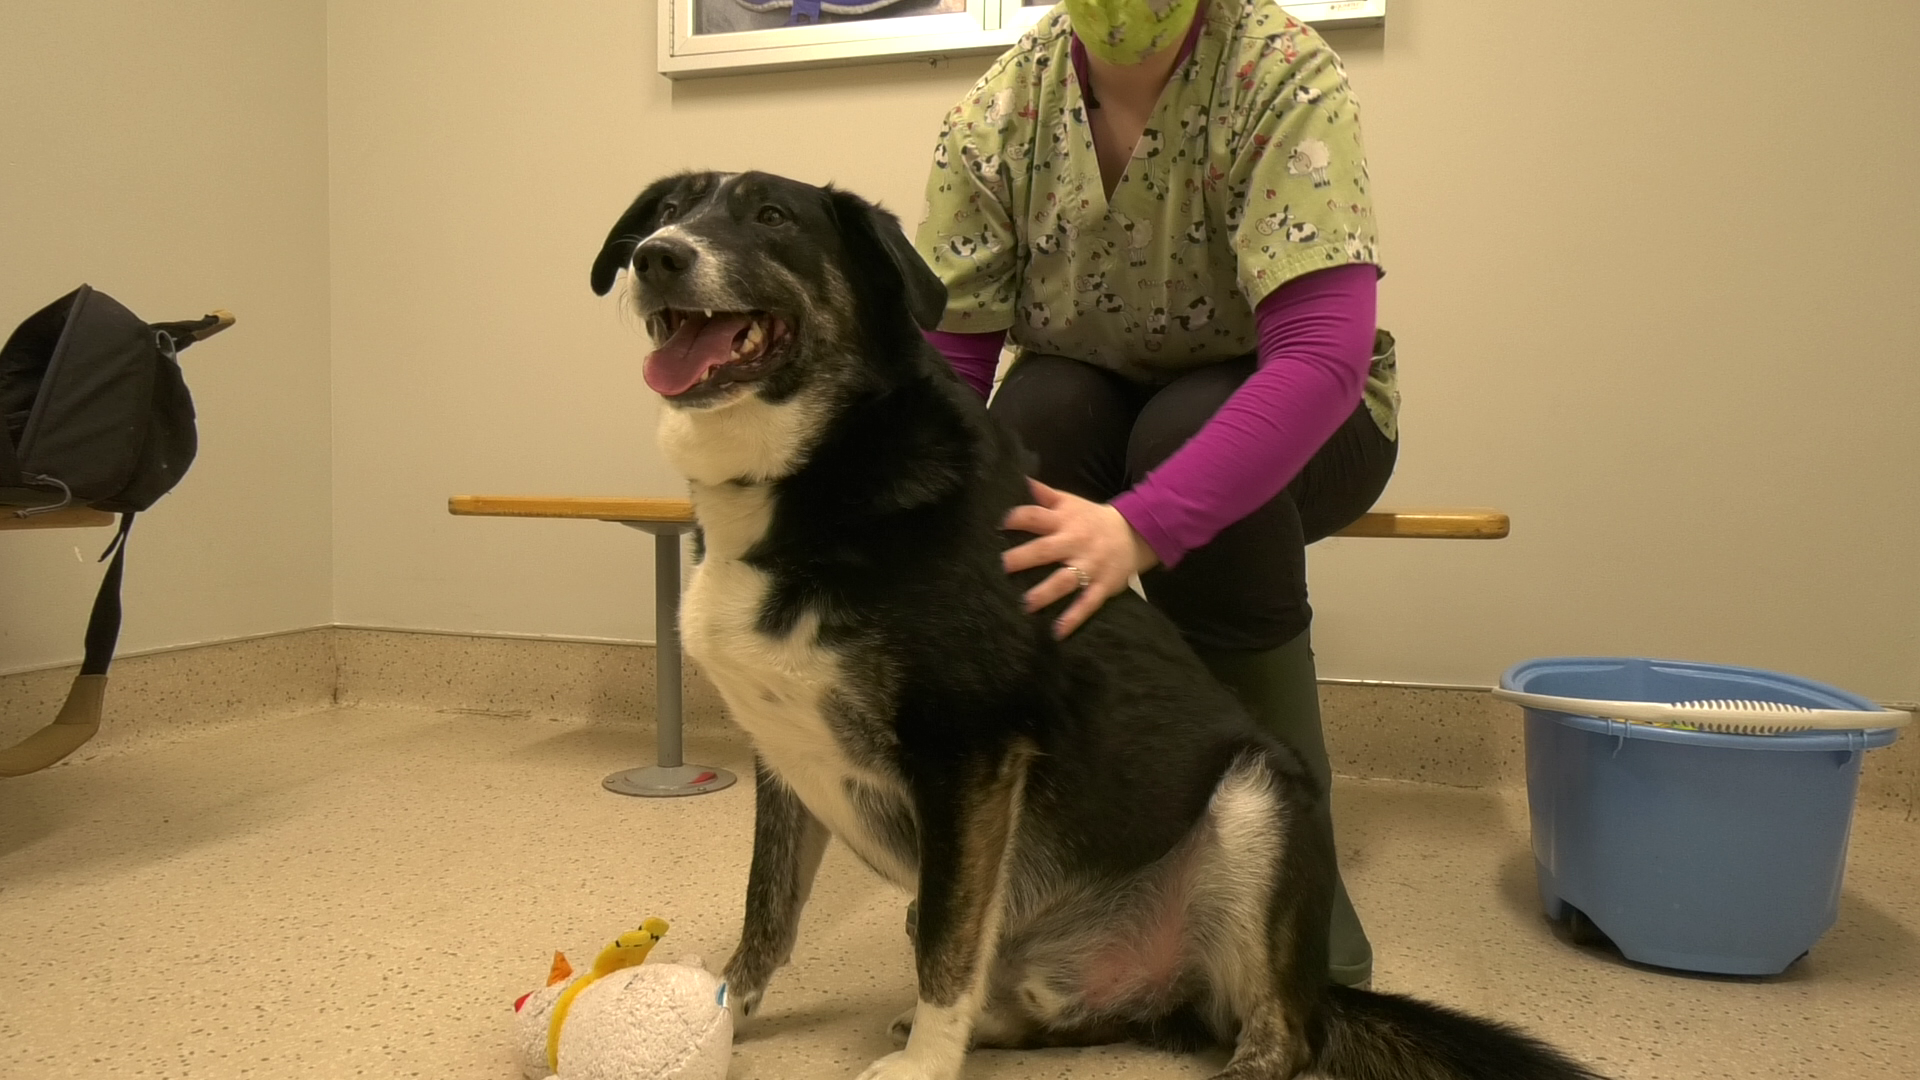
(709, 312)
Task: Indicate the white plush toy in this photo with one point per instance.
(623, 1021)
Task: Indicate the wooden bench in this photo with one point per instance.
(74, 518)
(667, 518)
(666, 511)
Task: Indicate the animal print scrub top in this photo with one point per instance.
(1250, 172)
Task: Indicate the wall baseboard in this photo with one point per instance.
(166, 694)
(542, 678)
(1456, 736)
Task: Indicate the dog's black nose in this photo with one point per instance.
(662, 259)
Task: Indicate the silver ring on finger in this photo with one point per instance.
(1080, 575)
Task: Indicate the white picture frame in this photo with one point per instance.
(960, 28)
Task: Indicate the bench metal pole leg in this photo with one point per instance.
(671, 776)
(666, 654)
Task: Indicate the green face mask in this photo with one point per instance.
(1127, 31)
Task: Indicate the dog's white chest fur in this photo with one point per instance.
(779, 687)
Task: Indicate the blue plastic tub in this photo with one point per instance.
(1690, 850)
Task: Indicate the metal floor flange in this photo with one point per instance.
(670, 776)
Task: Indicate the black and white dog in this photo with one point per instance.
(1103, 846)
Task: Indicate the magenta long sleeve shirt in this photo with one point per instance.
(1315, 345)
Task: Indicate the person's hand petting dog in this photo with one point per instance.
(1096, 549)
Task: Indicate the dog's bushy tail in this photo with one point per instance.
(1372, 1036)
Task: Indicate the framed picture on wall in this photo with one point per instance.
(718, 37)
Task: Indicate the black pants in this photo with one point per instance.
(1097, 435)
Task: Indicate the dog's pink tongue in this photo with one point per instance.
(700, 343)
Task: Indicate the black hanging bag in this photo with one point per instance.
(94, 413)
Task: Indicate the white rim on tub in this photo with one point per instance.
(1730, 717)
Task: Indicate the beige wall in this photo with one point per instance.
(174, 156)
(1654, 267)
(1651, 265)
(480, 154)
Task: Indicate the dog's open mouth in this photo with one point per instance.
(710, 349)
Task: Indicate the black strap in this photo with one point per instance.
(103, 627)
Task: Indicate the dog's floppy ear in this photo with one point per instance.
(873, 234)
(634, 226)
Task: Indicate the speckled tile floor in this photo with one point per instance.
(365, 891)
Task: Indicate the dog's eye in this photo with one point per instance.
(669, 211)
(772, 215)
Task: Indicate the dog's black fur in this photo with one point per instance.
(1051, 803)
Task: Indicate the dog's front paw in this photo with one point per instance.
(743, 1004)
(743, 1008)
(901, 1065)
(902, 1027)
(745, 989)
